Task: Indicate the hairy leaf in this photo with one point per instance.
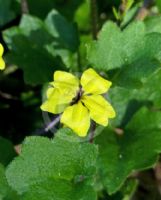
(57, 160)
(133, 53)
(136, 149)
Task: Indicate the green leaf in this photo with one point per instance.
(8, 11)
(153, 24)
(6, 193)
(3, 182)
(62, 30)
(151, 90)
(129, 188)
(58, 159)
(126, 192)
(82, 16)
(129, 15)
(116, 13)
(38, 69)
(127, 102)
(134, 54)
(7, 152)
(129, 3)
(112, 44)
(28, 45)
(158, 3)
(60, 190)
(136, 149)
(36, 46)
(134, 75)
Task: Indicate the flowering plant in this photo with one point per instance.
(80, 100)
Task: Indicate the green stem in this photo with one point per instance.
(94, 18)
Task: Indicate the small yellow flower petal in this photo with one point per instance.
(93, 83)
(77, 118)
(1, 50)
(56, 102)
(100, 109)
(65, 81)
(49, 91)
(89, 104)
(2, 63)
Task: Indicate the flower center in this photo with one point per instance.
(78, 96)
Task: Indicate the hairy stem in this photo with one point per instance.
(94, 18)
(53, 123)
(24, 7)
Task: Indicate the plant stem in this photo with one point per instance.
(24, 7)
(52, 124)
(94, 18)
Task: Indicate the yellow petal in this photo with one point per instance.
(56, 102)
(2, 64)
(93, 83)
(1, 50)
(65, 80)
(100, 109)
(77, 118)
(50, 91)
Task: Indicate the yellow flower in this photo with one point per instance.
(79, 101)
(2, 63)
